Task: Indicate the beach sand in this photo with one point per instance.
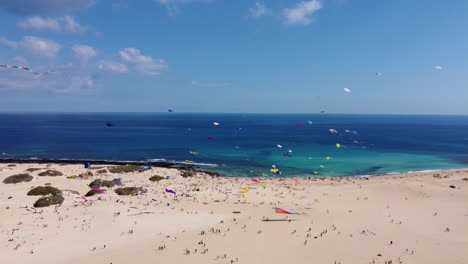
(412, 218)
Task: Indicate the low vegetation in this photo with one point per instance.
(49, 200)
(156, 178)
(51, 173)
(127, 190)
(43, 190)
(33, 169)
(17, 178)
(125, 168)
(99, 183)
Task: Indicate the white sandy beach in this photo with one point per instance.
(413, 218)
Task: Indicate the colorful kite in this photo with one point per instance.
(282, 211)
(438, 68)
(378, 73)
(300, 125)
(99, 191)
(194, 153)
(216, 123)
(170, 191)
(24, 68)
(338, 145)
(333, 131)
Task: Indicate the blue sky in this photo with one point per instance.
(235, 56)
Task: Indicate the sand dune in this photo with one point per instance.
(414, 218)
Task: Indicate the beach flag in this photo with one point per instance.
(282, 211)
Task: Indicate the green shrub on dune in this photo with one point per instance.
(33, 169)
(125, 168)
(51, 173)
(91, 193)
(128, 190)
(156, 178)
(17, 178)
(98, 183)
(50, 200)
(40, 190)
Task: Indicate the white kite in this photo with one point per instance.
(347, 90)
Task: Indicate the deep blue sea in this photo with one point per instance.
(245, 144)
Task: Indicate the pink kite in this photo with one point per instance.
(300, 125)
(99, 191)
(294, 178)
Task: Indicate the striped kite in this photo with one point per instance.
(282, 211)
(24, 68)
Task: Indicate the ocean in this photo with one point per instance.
(245, 144)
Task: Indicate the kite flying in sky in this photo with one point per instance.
(24, 68)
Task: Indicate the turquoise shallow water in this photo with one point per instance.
(246, 144)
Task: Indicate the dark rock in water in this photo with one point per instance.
(17, 178)
(33, 169)
(51, 173)
(49, 200)
(98, 183)
(128, 190)
(43, 191)
(452, 186)
(156, 178)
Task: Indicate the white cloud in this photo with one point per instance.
(259, 10)
(68, 78)
(142, 63)
(39, 23)
(84, 52)
(302, 12)
(44, 7)
(70, 25)
(62, 24)
(34, 45)
(111, 66)
(173, 6)
(211, 85)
